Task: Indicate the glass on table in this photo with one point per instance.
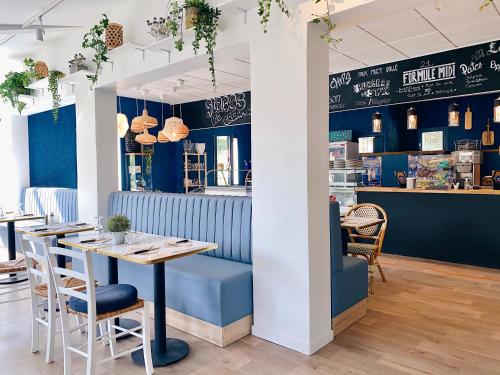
(99, 228)
(20, 211)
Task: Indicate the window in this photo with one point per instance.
(222, 159)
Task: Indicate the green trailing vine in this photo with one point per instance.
(438, 6)
(205, 25)
(16, 83)
(54, 77)
(265, 11)
(95, 39)
(326, 19)
(148, 159)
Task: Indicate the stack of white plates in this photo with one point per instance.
(354, 164)
(337, 164)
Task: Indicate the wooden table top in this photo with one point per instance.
(11, 218)
(356, 222)
(55, 229)
(161, 249)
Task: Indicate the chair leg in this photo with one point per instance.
(112, 340)
(35, 326)
(51, 329)
(91, 347)
(380, 270)
(146, 340)
(103, 330)
(79, 322)
(66, 341)
(371, 273)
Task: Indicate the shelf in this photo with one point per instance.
(123, 50)
(167, 44)
(41, 84)
(74, 78)
(193, 154)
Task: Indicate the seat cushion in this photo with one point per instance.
(109, 298)
(361, 248)
(215, 290)
(350, 285)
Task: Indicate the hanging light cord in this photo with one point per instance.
(136, 107)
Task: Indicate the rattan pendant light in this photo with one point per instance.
(144, 121)
(175, 129)
(137, 122)
(145, 138)
(121, 121)
(162, 138)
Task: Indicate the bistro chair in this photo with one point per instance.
(368, 242)
(8, 268)
(43, 294)
(101, 304)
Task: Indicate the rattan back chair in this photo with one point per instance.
(368, 242)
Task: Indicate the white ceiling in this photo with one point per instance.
(414, 33)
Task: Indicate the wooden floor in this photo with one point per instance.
(429, 318)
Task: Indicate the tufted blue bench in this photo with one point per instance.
(349, 279)
(208, 295)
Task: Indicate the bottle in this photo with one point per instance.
(467, 185)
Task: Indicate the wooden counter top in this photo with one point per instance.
(376, 189)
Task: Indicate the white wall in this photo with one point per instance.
(14, 153)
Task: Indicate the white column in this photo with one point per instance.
(96, 149)
(291, 256)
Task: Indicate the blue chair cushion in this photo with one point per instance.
(109, 298)
(335, 238)
(350, 285)
(215, 290)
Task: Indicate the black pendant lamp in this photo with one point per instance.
(453, 115)
(377, 123)
(411, 119)
(496, 110)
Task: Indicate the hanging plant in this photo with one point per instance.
(95, 39)
(54, 77)
(205, 28)
(148, 159)
(265, 11)
(174, 23)
(327, 21)
(16, 83)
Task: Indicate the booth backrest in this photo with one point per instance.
(226, 221)
(44, 201)
(336, 257)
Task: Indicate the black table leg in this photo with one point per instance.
(113, 279)
(165, 351)
(61, 259)
(11, 241)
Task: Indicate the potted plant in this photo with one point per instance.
(95, 39)
(77, 63)
(118, 225)
(158, 28)
(16, 83)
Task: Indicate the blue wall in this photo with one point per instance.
(52, 149)
(164, 158)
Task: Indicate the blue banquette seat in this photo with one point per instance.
(62, 202)
(208, 295)
(349, 279)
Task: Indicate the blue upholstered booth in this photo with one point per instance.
(214, 287)
(63, 203)
(349, 275)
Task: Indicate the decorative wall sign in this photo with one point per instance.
(227, 110)
(462, 71)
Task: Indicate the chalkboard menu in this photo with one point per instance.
(224, 110)
(458, 72)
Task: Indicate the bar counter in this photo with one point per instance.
(459, 226)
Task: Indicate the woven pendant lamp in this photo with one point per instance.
(162, 138)
(175, 129)
(121, 121)
(145, 138)
(137, 122)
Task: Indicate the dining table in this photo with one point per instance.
(11, 218)
(58, 230)
(155, 250)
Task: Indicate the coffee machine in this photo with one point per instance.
(467, 165)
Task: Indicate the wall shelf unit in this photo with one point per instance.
(195, 169)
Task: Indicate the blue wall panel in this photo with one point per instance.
(52, 149)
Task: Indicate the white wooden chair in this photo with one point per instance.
(42, 290)
(92, 306)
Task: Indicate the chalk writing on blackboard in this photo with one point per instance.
(226, 110)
